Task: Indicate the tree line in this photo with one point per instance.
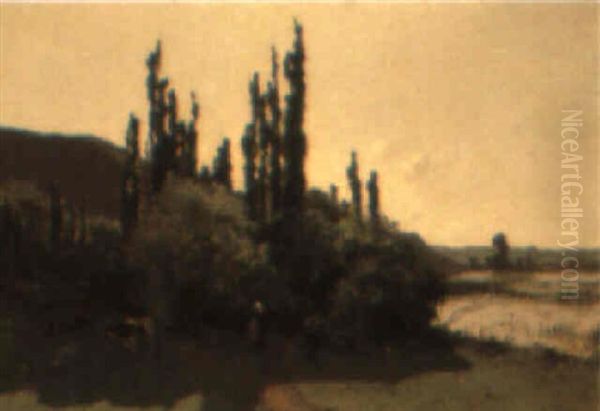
(194, 254)
(273, 145)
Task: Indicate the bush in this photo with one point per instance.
(195, 244)
(383, 300)
(349, 281)
(24, 223)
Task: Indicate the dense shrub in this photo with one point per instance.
(86, 277)
(196, 261)
(349, 282)
(390, 288)
(195, 245)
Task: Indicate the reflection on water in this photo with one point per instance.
(524, 309)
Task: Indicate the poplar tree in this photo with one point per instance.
(263, 164)
(172, 112)
(222, 165)
(355, 186)
(226, 163)
(157, 133)
(173, 140)
(250, 150)
(130, 180)
(294, 139)
(190, 144)
(274, 134)
(373, 189)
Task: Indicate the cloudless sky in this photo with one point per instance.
(458, 106)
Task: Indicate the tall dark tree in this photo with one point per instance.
(158, 143)
(250, 150)
(355, 186)
(294, 139)
(56, 217)
(174, 134)
(172, 111)
(373, 189)
(275, 134)
(226, 161)
(262, 189)
(189, 149)
(130, 180)
(222, 165)
(216, 165)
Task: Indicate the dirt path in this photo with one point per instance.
(513, 380)
(494, 379)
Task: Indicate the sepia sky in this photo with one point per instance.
(458, 106)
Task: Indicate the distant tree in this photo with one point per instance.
(373, 188)
(177, 143)
(158, 138)
(172, 135)
(130, 196)
(176, 153)
(188, 153)
(264, 135)
(294, 139)
(500, 259)
(56, 217)
(222, 165)
(355, 186)
(250, 151)
(172, 112)
(216, 166)
(226, 161)
(275, 134)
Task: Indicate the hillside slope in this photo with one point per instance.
(85, 167)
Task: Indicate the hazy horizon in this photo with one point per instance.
(457, 106)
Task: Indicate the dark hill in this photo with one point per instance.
(85, 167)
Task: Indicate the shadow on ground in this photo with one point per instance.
(82, 367)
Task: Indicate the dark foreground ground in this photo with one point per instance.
(85, 371)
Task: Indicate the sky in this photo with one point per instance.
(458, 106)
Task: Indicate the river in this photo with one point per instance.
(524, 309)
